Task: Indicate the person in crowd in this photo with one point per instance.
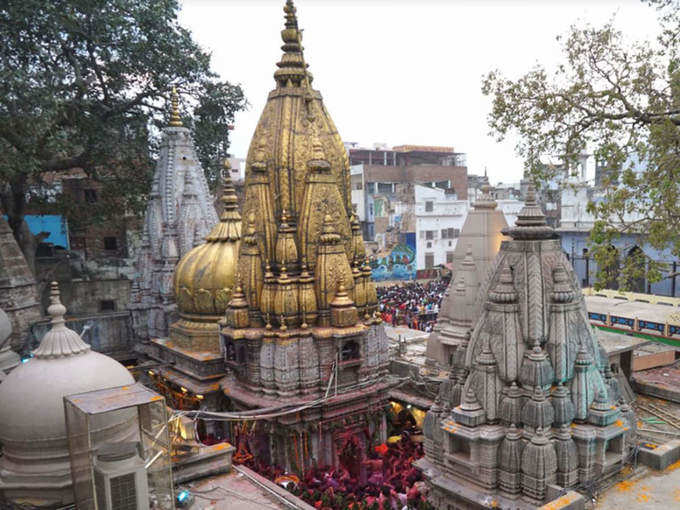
(412, 304)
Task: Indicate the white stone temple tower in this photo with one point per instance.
(479, 242)
(533, 407)
(180, 213)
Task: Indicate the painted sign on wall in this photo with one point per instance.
(400, 264)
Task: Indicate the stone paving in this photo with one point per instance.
(646, 490)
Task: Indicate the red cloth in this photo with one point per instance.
(381, 449)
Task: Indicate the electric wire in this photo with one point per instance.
(274, 412)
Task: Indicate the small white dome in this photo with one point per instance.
(32, 422)
(31, 398)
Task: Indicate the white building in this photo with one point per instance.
(438, 220)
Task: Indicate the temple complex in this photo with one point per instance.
(179, 214)
(300, 326)
(261, 327)
(479, 242)
(536, 405)
(202, 286)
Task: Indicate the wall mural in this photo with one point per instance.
(399, 264)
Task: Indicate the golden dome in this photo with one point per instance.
(205, 277)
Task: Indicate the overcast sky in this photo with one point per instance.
(397, 71)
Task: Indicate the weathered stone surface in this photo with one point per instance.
(179, 214)
(660, 457)
(479, 241)
(534, 377)
(18, 291)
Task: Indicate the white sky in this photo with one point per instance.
(397, 71)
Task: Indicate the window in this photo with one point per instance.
(445, 233)
(107, 305)
(429, 206)
(230, 351)
(429, 235)
(370, 187)
(449, 257)
(429, 260)
(77, 243)
(110, 243)
(357, 185)
(384, 187)
(90, 195)
(350, 351)
(429, 245)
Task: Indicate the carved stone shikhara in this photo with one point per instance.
(179, 214)
(529, 402)
(479, 241)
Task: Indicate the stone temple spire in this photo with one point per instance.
(180, 210)
(531, 223)
(551, 388)
(479, 241)
(18, 297)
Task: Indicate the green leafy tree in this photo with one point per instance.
(84, 85)
(619, 100)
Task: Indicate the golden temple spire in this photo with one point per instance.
(229, 227)
(292, 69)
(175, 120)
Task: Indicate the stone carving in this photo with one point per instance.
(180, 212)
(311, 330)
(537, 407)
(18, 295)
(479, 241)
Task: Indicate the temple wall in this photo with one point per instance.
(109, 334)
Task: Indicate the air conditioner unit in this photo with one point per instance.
(120, 477)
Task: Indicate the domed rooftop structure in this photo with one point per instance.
(205, 278)
(35, 467)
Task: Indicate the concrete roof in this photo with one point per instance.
(242, 489)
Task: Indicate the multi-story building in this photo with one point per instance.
(415, 224)
(404, 155)
(439, 217)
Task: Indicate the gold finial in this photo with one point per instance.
(292, 67)
(228, 198)
(175, 120)
(304, 324)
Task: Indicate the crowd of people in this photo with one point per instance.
(412, 304)
(388, 480)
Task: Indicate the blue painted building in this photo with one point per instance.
(55, 225)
